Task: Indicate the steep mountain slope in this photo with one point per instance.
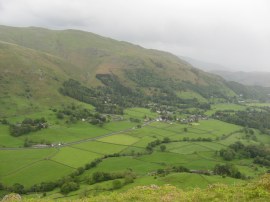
(35, 63)
(29, 79)
(95, 54)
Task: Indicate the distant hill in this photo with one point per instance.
(246, 78)
(205, 66)
(43, 68)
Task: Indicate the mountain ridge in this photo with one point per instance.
(84, 56)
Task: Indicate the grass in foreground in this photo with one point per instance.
(253, 191)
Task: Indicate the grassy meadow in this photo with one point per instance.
(81, 143)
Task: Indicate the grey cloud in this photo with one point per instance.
(235, 33)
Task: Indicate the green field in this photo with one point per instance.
(139, 113)
(42, 171)
(89, 142)
(217, 107)
(191, 95)
(100, 147)
(120, 139)
(73, 157)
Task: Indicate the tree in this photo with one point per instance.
(227, 170)
(1, 186)
(228, 154)
(17, 188)
(162, 148)
(129, 179)
(116, 184)
(68, 187)
(166, 140)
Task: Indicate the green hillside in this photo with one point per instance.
(30, 79)
(134, 66)
(51, 57)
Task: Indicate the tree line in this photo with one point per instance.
(259, 153)
(251, 118)
(27, 125)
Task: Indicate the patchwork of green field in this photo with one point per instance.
(221, 107)
(175, 145)
(190, 95)
(100, 147)
(118, 126)
(13, 161)
(160, 124)
(191, 161)
(213, 146)
(157, 132)
(139, 113)
(144, 141)
(74, 157)
(146, 131)
(64, 134)
(238, 137)
(42, 171)
(133, 150)
(127, 163)
(189, 149)
(215, 127)
(120, 139)
(90, 142)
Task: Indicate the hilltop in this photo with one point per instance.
(40, 60)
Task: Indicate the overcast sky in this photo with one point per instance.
(233, 33)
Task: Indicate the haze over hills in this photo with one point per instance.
(205, 66)
(247, 78)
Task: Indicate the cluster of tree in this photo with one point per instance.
(71, 182)
(228, 170)
(177, 169)
(149, 79)
(251, 118)
(135, 120)
(69, 187)
(4, 121)
(113, 97)
(27, 125)
(250, 92)
(258, 153)
(199, 139)
(150, 146)
(73, 113)
(65, 184)
(105, 176)
(29, 143)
